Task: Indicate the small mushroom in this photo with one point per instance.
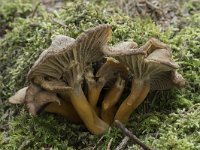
(61, 68)
(38, 100)
(108, 105)
(52, 62)
(151, 67)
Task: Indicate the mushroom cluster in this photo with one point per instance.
(83, 79)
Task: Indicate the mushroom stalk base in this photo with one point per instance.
(65, 109)
(86, 113)
(137, 96)
(93, 94)
(108, 105)
(109, 114)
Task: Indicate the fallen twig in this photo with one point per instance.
(59, 22)
(123, 143)
(109, 144)
(151, 6)
(35, 9)
(128, 133)
(97, 144)
(4, 127)
(24, 144)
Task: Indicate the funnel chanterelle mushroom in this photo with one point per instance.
(58, 74)
(152, 68)
(35, 96)
(61, 68)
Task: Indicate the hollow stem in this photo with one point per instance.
(65, 109)
(112, 97)
(86, 113)
(138, 93)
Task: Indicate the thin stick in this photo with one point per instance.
(59, 22)
(151, 6)
(123, 143)
(109, 144)
(35, 9)
(128, 133)
(97, 144)
(4, 127)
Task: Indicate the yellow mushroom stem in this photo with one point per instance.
(94, 124)
(94, 90)
(140, 89)
(109, 114)
(80, 103)
(112, 97)
(65, 109)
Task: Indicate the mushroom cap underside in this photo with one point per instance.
(65, 52)
(111, 69)
(54, 60)
(149, 62)
(161, 75)
(166, 80)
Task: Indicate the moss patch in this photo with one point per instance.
(179, 131)
(27, 36)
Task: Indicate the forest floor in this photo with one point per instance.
(167, 120)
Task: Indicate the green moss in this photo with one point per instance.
(9, 10)
(44, 131)
(21, 46)
(186, 45)
(179, 131)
